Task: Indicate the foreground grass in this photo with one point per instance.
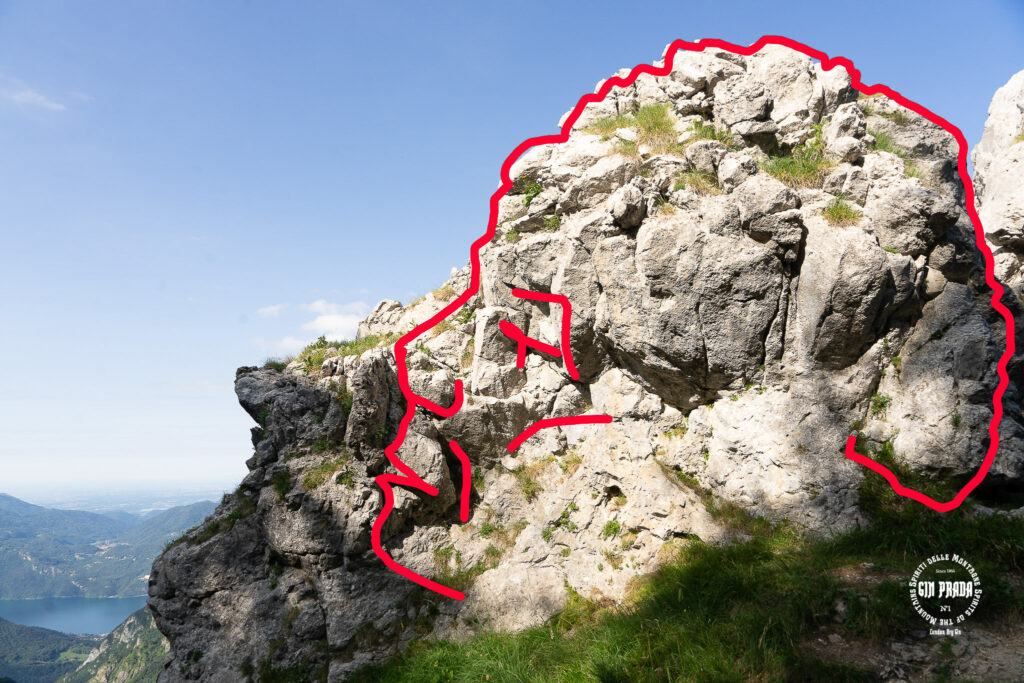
(742, 612)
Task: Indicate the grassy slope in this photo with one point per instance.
(29, 654)
(745, 611)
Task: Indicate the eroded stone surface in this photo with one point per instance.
(737, 337)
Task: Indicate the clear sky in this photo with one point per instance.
(186, 187)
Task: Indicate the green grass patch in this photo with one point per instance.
(526, 477)
(314, 355)
(665, 206)
(570, 461)
(627, 148)
(679, 430)
(319, 474)
(282, 483)
(530, 488)
(342, 395)
(699, 182)
(449, 569)
(805, 166)
(564, 521)
(701, 130)
(278, 364)
(880, 404)
(840, 212)
(244, 506)
(512, 236)
(884, 143)
(466, 362)
(551, 223)
(656, 128)
(744, 611)
(899, 117)
(606, 127)
(532, 190)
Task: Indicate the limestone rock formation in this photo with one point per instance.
(998, 169)
(760, 264)
(134, 652)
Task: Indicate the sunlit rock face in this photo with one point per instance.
(760, 264)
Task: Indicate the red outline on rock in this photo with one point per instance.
(562, 301)
(555, 422)
(523, 342)
(410, 479)
(467, 480)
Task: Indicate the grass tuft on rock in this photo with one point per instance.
(839, 212)
(805, 166)
(278, 364)
(655, 130)
(701, 130)
(899, 117)
(321, 473)
(880, 404)
(884, 143)
(701, 183)
(526, 476)
(314, 355)
(606, 127)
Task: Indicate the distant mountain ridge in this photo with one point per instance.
(70, 553)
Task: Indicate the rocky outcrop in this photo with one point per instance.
(760, 264)
(998, 169)
(134, 652)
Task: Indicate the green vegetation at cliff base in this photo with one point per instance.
(746, 611)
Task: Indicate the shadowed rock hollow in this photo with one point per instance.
(760, 264)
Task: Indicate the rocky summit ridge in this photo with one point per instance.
(761, 263)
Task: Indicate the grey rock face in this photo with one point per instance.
(998, 173)
(737, 332)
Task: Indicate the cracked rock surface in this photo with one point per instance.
(738, 319)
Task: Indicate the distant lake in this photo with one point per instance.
(71, 615)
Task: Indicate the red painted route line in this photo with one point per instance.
(563, 301)
(410, 479)
(467, 480)
(522, 342)
(555, 422)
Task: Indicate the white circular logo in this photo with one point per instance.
(945, 590)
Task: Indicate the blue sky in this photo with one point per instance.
(186, 187)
